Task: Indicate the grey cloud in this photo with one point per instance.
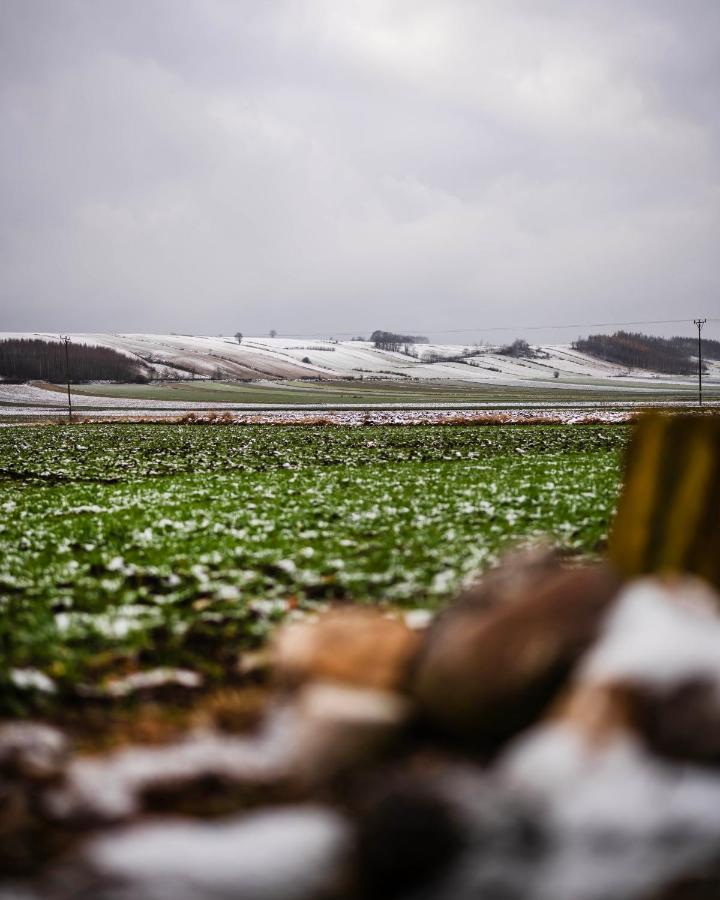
(324, 165)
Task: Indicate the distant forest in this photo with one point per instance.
(671, 356)
(710, 348)
(25, 359)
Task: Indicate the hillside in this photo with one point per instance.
(175, 357)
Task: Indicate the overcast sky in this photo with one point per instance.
(329, 166)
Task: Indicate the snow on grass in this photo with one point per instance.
(178, 538)
(31, 400)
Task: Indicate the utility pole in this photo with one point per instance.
(66, 341)
(699, 323)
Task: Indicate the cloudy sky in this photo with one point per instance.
(329, 166)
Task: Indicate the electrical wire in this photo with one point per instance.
(516, 328)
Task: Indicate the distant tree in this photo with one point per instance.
(273, 333)
(306, 359)
(556, 374)
(238, 337)
(519, 349)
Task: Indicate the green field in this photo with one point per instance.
(148, 544)
(352, 393)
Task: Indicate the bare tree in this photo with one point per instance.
(238, 337)
(273, 333)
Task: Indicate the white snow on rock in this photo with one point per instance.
(659, 633)
(111, 787)
(622, 822)
(286, 854)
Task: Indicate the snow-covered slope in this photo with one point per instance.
(256, 359)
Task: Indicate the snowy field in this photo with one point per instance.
(33, 402)
(284, 379)
(180, 356)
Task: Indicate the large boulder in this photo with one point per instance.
(485, 673)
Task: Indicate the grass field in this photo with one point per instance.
(398, 391)
(140, 545)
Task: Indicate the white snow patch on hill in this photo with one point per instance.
(257, 359)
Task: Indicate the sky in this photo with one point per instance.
(442, 167)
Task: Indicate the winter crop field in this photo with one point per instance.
(128, 546)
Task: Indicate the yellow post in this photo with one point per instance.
(668, 518)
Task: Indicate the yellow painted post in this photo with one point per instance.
(668, 517)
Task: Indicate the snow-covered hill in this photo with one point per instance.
(175, 356)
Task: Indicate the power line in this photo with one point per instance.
(516, 327)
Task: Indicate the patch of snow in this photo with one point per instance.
(32, 680)
(152, 679)
(658, 633)
(289, 853)
(418, 619)
(622, 822)
(111, 787)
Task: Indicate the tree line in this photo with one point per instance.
(689, 345)
(389, 340)
(671, 356)
(26, 359)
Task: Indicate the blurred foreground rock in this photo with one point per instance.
(359, 646)
(555, 735)
(488, 670)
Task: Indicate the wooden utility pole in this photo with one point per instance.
(66, 341)
(699, 323)
(668, 517)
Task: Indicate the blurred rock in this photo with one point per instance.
(409, 835)
(598, 712)
(33, 757)
(484, 674)
(659, 659)
(339, 726)
(446, 832)
(518, 572)
(114, 787)
(355, 646)
(32, 751)
(622, 823)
